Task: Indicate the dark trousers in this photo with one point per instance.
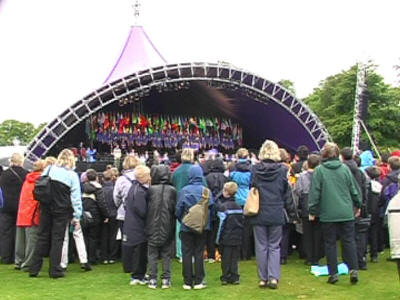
(382, 233)
(134, 260)
(247, 249)
(285, 241)
(109, 243)
(92, 237)
(361, 245)
(346, 231)
(230, 256)
(312, 240)
(211, 236)
(154, 254)
(50, 239)
(193, 246)
(8, 225)
(373, 238)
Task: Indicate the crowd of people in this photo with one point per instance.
(141, 214)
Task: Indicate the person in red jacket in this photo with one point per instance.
(27, 219)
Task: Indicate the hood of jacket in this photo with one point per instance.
(243, 165)
(32, 177)
(195, 175)
(217, 166)
(160, 174)
(393, 176)
(90, 187)
(267, 170)
(332, 163)
(352, 165)
(367, 159)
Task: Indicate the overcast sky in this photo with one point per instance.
(55, 52)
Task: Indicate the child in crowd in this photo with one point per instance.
(160, 224)
(374, 191)
(134, 244)
(93, 202)
(230, 233)
(312, 234)
(193, 244)
(109, 227)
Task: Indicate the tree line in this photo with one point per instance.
(24, 132)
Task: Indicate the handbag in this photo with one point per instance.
(42, 190)
(197, 216)
(252, 206)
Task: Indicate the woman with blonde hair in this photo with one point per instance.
(269, 176)
(28, 219)
(66, 203)
(11, 181)
(134, 241)
(122, 186)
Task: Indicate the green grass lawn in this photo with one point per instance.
(108, 282)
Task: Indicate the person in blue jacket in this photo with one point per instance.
(242, 176)
(66, 204)
(193, 244)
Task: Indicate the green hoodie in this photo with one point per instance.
(334, 192)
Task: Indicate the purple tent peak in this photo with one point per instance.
(139, 53)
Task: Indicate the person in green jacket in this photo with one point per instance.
(335, 198)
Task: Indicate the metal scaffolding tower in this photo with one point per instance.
(360, 87)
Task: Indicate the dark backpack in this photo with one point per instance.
(42, 190)
(197, 217)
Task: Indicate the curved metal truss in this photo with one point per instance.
(135, 86)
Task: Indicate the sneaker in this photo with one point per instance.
(211, 260)
(199, 286)
(224, 282)
(135, 281)
(333, 279)
(187, 287)
(353, 276)
(272, 284)
(111, 262)
(105, 262)
(86, 267)
(236, 282)
(262, 284)
(166, 284)
(374, 259)
(152, 284)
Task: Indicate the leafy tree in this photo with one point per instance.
(288, 84)
(333, 102)
(13, 129)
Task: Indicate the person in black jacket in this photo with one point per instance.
(134, 241)
(312, 234)
(160, 224)
(94, 203)
(230, 233)
(11, 182)
(374, 191)
(109, 244)
(215, 182)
